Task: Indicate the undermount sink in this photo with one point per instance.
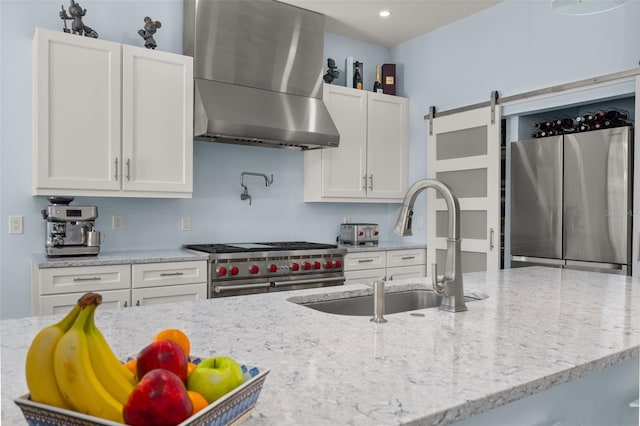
(394, 302)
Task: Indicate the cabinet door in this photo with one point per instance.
(364, 276)
(171, 294)
(404, 272)
(62, 303)
(157, 121)
(76, 113)
(387, 146)
(344, 168)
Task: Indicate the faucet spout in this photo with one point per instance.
(450, 285)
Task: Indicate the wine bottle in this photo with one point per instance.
(357, 77)
(614, 115)
(377, 85)
(565, 123)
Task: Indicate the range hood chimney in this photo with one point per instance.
(258, 74)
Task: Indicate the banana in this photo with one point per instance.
(114, 376)
(41, 380)
(74, 373)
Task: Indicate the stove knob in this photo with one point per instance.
(273, 268)
(361, 233)
(337, 264)
(234, 270)
(222, 271)
(328, 264)
(317, 265)
(375, 233)
(307, 266)
(254, 269)
(295, 266)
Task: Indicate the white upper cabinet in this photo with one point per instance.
(109, 119)
(371, 162)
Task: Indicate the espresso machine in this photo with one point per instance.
(70, 230)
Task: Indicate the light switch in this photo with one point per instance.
(186, 223)
(16, 225)
(116, 222)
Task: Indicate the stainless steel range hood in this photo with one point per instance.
(258, 73)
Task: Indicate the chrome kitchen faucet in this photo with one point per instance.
(449, 285)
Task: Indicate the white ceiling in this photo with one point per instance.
(359, 19)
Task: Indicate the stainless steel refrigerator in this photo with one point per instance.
(571, 198)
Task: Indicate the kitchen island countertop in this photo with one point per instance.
(539, 327)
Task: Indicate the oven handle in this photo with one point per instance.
(309, 281)
(223, 288)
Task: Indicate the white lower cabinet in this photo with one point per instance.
(62, 303)
(366, 267)
(56, 290)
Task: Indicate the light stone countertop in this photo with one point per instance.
(382, 246)
(538, 328)
(118, 258)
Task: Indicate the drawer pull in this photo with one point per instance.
(171, 274)
(87, 279)
(408, 257)
(365, 260)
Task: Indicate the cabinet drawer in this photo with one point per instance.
(84, 279)
(404, 272)
(364, 260)
(406, 257)
(169, 273)
(364, 276)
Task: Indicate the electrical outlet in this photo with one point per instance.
(16, 225)
(186, 223)
(419, 221)
(116, 222)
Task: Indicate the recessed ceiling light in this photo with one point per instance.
(384, 13)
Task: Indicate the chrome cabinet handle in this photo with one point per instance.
(491, 238)
(364, 179)
(371, 182)
(365, 260)
(128, 169)
(116, 161)
(408, 257)
(125, 303)
(137, 303)
(87, 279)
(169, 274)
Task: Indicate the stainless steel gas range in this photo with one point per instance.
(249, 268)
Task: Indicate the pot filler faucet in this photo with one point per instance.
(245, 193)
(449, 285)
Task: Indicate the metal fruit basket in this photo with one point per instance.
(231, 409)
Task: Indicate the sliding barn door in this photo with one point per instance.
(463, 151)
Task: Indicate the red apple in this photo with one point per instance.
(159, 399)
(162, 354)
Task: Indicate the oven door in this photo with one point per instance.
(238, 287)
(298, 283)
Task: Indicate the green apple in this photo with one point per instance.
(214, 377)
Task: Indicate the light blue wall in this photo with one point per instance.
(217, 213)
(508, 48)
